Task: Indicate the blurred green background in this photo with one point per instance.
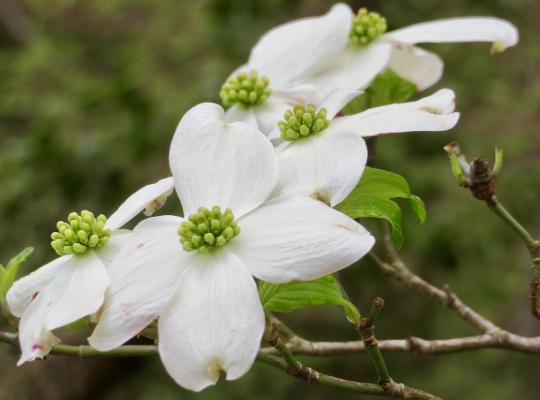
(91, 92)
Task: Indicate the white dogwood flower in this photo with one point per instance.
(323, 156)
(73, 285)
(196, 273)
(280, 67)
(370, 50)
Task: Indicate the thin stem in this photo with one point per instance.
(294, 366)
(366, 329)
(503, 214)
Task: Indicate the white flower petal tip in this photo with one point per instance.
(38, 350)
(149, 198)
(441, 102)
(419, 66)
(232, 165)
(500, 32)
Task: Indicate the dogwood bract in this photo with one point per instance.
(73, 285)
(323, 156)
(196, 273)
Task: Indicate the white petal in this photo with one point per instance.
(143, 277)
(327, 164)
(336, 100)
(152, 196)
(419, 66)
(354, 68)
(469, 29)
(239, 114)
(214, 323)
(85, 282)
(35, 340)
(214, 163)
(27, 288)
(117, 241)
(299, 239)
(432, 113)
(300, 48)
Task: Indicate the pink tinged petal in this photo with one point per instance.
(419, 66)
(213, 324)
(143, 278)
(150, 197)
(354, 68)
(85, 281)
(469, 29)
(432, 113)
(299, 239)
(325, 166)
(28, 287)
(216, 163)
(34, 338)
(301, 48)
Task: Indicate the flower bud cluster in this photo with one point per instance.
(302, 121)
(81, 233)
(207, 229)
(245, 90)
(366, 27)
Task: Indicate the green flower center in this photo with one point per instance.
(207, 229)
(302, 121)
(80, 234)
(366, 27)
(245, 90)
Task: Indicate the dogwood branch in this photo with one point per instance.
(298, 371)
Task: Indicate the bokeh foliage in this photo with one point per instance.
(91, 92)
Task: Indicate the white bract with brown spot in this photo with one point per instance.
(325, 159)
(197, 273)
(73, 286)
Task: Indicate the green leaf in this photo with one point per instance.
(387, 88)
(292, 296)
(8, 275)
(372, 198)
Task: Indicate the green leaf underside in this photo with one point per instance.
(387, 88)
(287, 297)
(9, 273)
(372, 199)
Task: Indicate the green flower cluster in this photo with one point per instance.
(81, 233)
(366, 27)
(207, 229)
(302, 121)
(245, 89)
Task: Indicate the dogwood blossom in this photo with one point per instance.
(73, 285)
(323, 156)
(370, 50)
(196, 273)
(281, 66)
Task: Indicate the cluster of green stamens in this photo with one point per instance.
(81, 233)
(366, 27)
(302, 121)
(207, 229)
(245, 89)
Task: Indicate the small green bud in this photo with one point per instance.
(366, 27)
(81, 232)
(245, 90)
(207, 229)
(302, 121)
